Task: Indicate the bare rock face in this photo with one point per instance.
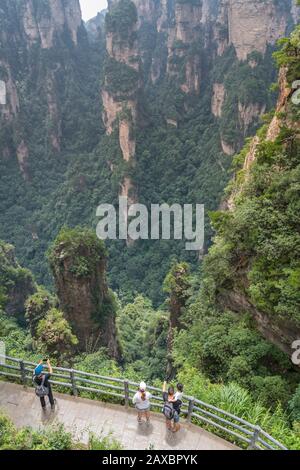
(78, 262)
(253, 25)
(127, 142)
(42, 22)
(248, 114)
(218, 99)
(121, 108)
(227, 148)
(285, 91)
(185, 32)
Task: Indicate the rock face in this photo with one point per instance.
(282, 333)
(43, 21)
(218, 99)
(78, 262)
(177, 284)
(121, 105)
(96, 26)
(16, 283)
(280, 330)
(187, 36)
(34, 25)
(185, 33)
(248, 114)
(253, 25)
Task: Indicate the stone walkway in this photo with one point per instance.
(81, 416)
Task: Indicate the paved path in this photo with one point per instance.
(81, 416)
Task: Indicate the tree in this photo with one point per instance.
(55, 335)
(37, 307)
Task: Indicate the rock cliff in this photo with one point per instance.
(27, 29)
(78, 262)
(122, 82)
(279, 138)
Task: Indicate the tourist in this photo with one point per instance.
(141, 400)
(172, 406)
(42, 384)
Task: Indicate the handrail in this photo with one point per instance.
(194, 410)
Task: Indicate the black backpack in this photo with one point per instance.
(168, 410)
(40, 390)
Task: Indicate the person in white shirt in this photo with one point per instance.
(141, 400)
(179, 392)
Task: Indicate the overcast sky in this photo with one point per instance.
(90, 8)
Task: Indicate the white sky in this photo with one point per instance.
(90, 8)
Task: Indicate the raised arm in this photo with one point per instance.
(49, 366)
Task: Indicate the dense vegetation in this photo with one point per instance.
(180, 164)
(218, 354)
(55, 438)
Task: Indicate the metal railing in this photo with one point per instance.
(217, 421)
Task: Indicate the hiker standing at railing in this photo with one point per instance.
(172, 405)
(42, 384)
(141, 400)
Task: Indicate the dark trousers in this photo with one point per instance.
(50, 396)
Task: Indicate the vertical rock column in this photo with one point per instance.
(78, 263)
(184, 38)
(122, 83)
(177, 284)
(26, 26)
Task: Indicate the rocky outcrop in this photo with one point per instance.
(282, 103)
(272, 133)
(281, 329)
(218, 99)
(121, 106)
(43, 21)
(78, 263)
(227, 148)
(96, 26)
(177, 284)
(182, 36)
(282, 333)
(248, 114)
(54, 118)
(253, 25)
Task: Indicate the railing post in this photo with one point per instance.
(190, 409)
(254, 438)
(126, 393)
(23, 373)
(73, 383)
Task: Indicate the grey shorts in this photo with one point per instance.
(145, 410)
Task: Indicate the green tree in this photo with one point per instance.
(37, 307)
(55, 335)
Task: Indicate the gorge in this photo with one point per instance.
(174, 102)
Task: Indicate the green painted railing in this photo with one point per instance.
(215, 419)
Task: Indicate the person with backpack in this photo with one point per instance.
(42, 384)
(172, 405)
(141, 400)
